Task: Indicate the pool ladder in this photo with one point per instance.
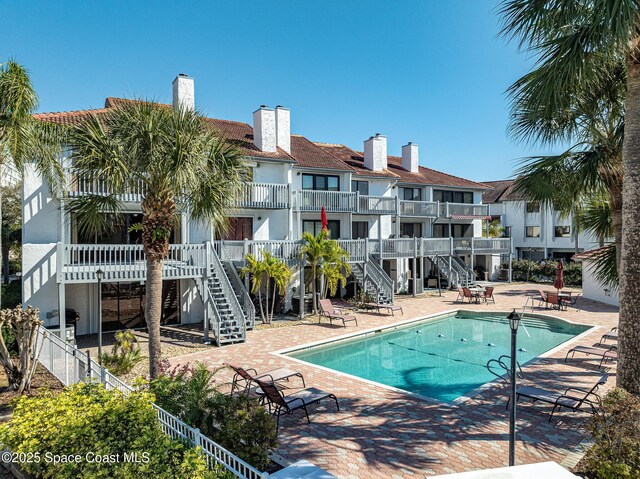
(498, 367)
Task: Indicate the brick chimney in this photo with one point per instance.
(410, 157)
(183, 92)
(375, 153)
(264, 129)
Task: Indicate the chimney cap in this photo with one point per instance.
(264, 106)
(182, 75)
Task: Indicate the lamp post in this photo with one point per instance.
(514, 321)
(99, 275)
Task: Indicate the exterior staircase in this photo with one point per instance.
(374, 280)
(237, 285)
(223, 311)
(459, 274)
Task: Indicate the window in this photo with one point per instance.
(533, 232)
(457, 231)
(440, 231)
(563, 232)
(444, 196)
(412, 194)
(361, 187)
(533, 207)
(320, 182)
(507, 231)
(412, 230)
(315, 226)
(359, 229)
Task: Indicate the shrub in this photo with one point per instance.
(86, 418)
(237, 423)
(124, 355)
(525, 269)
(23, 325)
(615, 430)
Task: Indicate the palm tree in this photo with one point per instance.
(313, 250)
(179, 163)
(335, 267)
(22, 138)
(582, 46)
(271, 269)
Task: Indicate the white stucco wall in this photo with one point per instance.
(592, 289)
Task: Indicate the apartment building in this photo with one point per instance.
(401, 223)
(537, 232)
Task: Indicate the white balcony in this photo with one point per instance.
(78, 185)
(332, 201)
(424, 209)
(464, 211)
(270, 196)
(376, 205)
(482, 245)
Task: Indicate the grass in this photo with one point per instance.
(11, 294)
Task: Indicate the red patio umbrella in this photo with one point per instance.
(559, 282)
(323, 219)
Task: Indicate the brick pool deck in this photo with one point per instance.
(383, 433)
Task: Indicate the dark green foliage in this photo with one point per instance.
(527, 270)
(11, 295)
(237, 423)
(616, 433)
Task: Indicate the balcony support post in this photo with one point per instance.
(510, 257)
(380, 240)
(301, 302)
(472, 253)
(415, 265)
(62, 316)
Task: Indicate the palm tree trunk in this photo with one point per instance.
(616, 218)
(267, 302)
(314, 285)
(273, 301)
(153, 311)
(262, 317)
(628, 374)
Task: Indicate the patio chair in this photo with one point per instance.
(576, 399)
(469, 295)
(460, 297)
(389, 307)
(604, 354)
(330, 312)
(488, 295)
(572, 301)
(613, 335)
(279, 404)
(554, 300)
(542, 299)
(243, 378)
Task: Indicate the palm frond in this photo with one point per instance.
(96, 214)
(605, 269)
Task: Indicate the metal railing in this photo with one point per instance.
(70, 365)
(436, 246)
(418, 208)
(447, 210)
(78, 263)
(245, 298)
(380, 278)
(229, 294)
(333, 201)
(376, 205)
(356, 248)
(264, 196)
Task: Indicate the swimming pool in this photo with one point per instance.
(442, 358)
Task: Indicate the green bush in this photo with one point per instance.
(527, 270)
(11, 294)
(87, 419)
(237, 423)
(615, 430)
(125, 354)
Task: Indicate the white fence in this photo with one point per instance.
(70, 366)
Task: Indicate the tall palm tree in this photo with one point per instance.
(181, 166)
(23, 139)
(335, 267)
(581, 45)
(256, 269)
(313, 250)
(269, 269)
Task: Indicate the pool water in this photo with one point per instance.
(442, 358)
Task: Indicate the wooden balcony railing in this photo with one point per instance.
(78, 185)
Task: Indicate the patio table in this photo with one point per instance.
(476, 291)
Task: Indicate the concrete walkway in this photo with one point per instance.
(382, 433)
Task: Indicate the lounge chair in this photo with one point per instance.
(572, 301)
(243, 378)
(576, 399)
(389, 307)
(488, 295)
(279, 404)
(333, 314)
(605, 354)
(613, 335)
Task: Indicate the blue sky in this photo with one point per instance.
(430, 71)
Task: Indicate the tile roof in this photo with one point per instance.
(304, 153)
(497, 190)
(590, 254)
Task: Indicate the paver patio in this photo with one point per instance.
(382, 433)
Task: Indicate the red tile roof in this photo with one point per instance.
(499, 191)
(589, 254)
(304, 153)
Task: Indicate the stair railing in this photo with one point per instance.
(227, 290)
(245, 297)
(380, 278)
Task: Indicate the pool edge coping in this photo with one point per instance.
(283, 353)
